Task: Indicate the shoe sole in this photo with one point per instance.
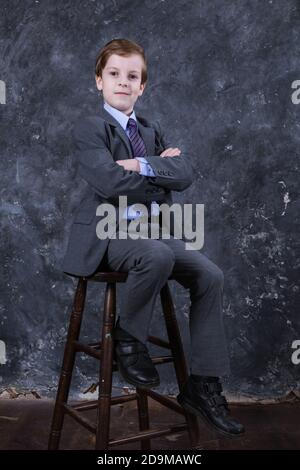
(195, 411)
(135, 383)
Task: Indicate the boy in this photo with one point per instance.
(119, 153)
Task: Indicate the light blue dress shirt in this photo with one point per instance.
(145, 167)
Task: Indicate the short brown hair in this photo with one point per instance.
(122, 47)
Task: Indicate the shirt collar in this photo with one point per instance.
(121, 117)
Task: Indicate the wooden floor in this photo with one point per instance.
(24, 424)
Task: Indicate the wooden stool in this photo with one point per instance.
(104, 353)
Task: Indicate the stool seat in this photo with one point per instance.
(103, 351)
(108, 276)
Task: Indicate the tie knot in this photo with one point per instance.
(131, 123)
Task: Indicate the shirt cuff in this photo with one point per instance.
(146, 168)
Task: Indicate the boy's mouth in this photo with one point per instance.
(121, 93)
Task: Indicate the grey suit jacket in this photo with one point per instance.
(99, 141)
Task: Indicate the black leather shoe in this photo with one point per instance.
(203, 398)
(134, 362)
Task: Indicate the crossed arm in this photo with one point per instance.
(109, 178)
(133, 164)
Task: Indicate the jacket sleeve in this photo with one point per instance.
(98, 168)
(174, 173)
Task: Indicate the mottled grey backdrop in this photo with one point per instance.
(220, 77)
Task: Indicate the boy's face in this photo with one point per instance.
(121, 81)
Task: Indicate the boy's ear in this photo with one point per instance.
(142, 88)
(98, 81)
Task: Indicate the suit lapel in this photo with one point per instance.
(148, 136)
(123, 136)
(119, 129)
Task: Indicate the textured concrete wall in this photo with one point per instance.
(220, 81)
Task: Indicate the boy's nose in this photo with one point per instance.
(123, 81)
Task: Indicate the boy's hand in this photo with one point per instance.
(171, 152)
(131, 164)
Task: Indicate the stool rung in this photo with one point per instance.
(152, 339)
(162, 359)
(79, 418)
(96, 345)
(123, 399)
(92, 404)
(89, 350)
(168, 402)
(150, 434)
(159, 342)
(96, 353)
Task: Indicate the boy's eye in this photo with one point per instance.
(131, 76)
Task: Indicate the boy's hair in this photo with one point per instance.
(122, 47)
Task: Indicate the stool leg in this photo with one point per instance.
(106, 363)
(68, 364)
(142, 403)
(178, 355)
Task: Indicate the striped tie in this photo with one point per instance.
(137, 143)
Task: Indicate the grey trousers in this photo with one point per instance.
(149, 263)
